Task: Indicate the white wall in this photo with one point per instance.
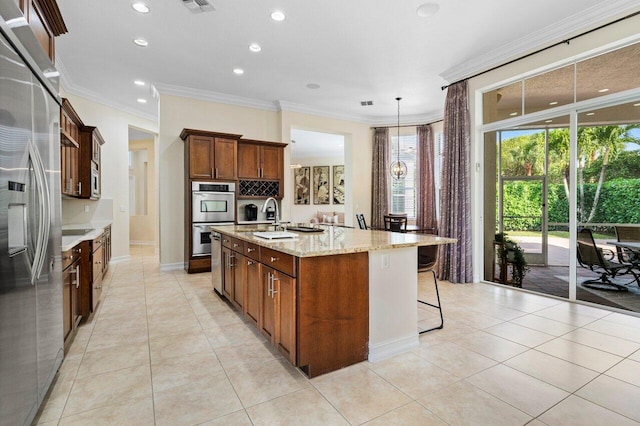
(585, 45)
(114, 127)
(177, 113)
(299, 213)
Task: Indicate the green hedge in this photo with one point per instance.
(619, 203)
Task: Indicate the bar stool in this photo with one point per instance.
(427, 258)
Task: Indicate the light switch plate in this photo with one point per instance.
(123, 208)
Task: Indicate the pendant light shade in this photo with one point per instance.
(398, 168)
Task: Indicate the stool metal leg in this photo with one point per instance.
(438, 306)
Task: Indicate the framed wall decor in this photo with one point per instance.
(321, 185)
(302, 187)
(338, 184)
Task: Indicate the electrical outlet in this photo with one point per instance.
(385, 261)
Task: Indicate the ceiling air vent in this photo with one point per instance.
(198, 6)
(366, 103)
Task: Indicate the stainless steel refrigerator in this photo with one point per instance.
(31, 340)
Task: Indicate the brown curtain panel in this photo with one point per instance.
(426, 197)
(454, 260)
(380, 178)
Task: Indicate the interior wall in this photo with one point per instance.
(357, 158)
(114, 127)
(300, 213)
(589, 44)
(143, 227)
(175, 114)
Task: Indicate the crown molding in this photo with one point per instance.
(223, 98)
(575, 24)
(306, 109)
(69, 87)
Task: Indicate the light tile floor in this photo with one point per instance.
(163, 349)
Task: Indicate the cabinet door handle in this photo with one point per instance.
(250, 262)
(273, 259)
(76, 271)
(273, 285)
(269, 283)
(79, 188)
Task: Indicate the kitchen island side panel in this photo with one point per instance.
(333, 312)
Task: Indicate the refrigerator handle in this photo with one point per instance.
(44, 212)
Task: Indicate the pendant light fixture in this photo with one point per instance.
(398, 168)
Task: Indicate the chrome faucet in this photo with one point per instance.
(275, 203)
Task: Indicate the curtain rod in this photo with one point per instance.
(566, 41)
(405, 125)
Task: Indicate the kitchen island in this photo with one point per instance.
(329, 299)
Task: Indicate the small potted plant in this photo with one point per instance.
(511, 253)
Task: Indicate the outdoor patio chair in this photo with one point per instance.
(427, 258)
(591, 257)
(627, 234)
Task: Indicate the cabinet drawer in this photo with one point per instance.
(252, 250)
(237, 245)
(226, 241)
(70, 256)
(277, 260)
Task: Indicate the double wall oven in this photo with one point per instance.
(212, 203)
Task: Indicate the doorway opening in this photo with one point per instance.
(143, 184)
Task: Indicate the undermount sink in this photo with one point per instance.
(70, 232)
(276, 235)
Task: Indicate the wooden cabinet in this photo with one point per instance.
(97, 270)
(210, 155)
(91, 142)
(278, 313)
(260, 160)
(228, 278)
(70, 124)
(71, 304)
(252, 290)
(46, 22)
(80, 148)
(239, 280)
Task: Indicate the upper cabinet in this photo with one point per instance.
(260, 160)
(80, 148)
(46, 22)
(210, 155)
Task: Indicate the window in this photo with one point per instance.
(403, 191)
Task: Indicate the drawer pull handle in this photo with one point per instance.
(236, 244)
(273, 259)
(249, 249)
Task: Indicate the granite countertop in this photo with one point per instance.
(334, 240)
(96, 227)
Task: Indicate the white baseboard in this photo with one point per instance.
(166, 267)
(141, 243)
(120, 259)
(388, 349)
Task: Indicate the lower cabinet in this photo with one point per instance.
(239, 272)
(252, 290)
(228, 278)
(278, 313)
(71, 280)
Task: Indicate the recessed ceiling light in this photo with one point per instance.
(513, 114)
(139, 82)
(277, 15)
(427, 9)
(591, 113)
(140, 7)
(238, 71)
(313, 86)
(553, 103)
(603, 90)
(255, 47)
(141, 42)
(142, 101)
(638, 104)
(549, 121)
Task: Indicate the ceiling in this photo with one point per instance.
(355, 50)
